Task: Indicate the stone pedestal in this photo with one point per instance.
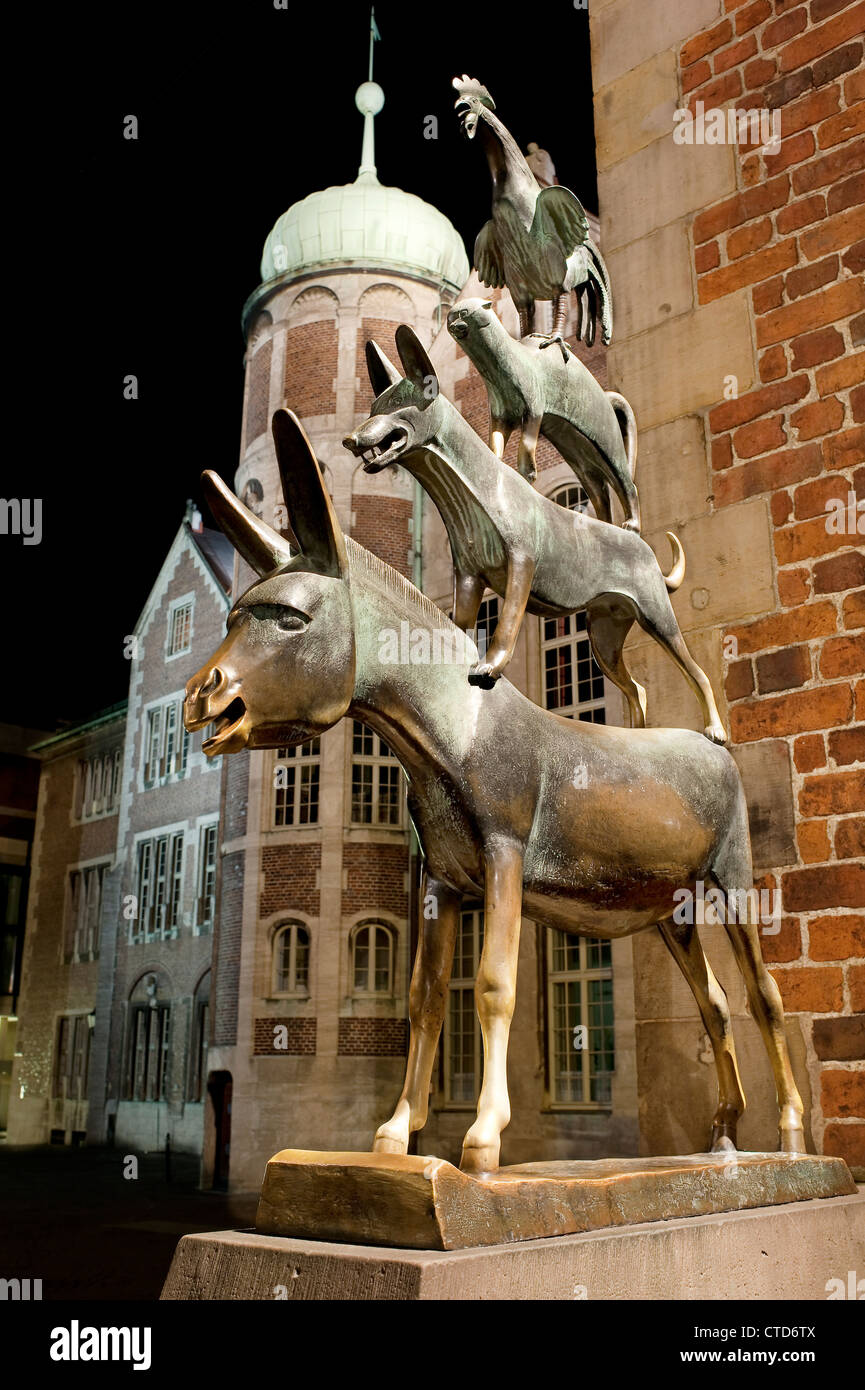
(418, 1202)
(783, 1252)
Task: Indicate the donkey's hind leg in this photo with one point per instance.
(684, 945)
(732, 873)
(608, 627)
(427, 1000)
(656, 617)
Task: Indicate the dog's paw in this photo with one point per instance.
(631, 525)
(484, 674)
(716, 733)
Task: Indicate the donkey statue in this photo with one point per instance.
(492, 791)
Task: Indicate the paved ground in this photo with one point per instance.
(70, 1218)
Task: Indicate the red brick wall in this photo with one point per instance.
(793, 234)
(290, 879)
(300, 1040)
(311, 368)
(382, 525)
(375, 878)
(372, 1037)
(259, 393)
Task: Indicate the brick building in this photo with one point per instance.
(737, 272)
(114, 1018)
(74, 839)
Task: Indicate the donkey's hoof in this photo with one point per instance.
(386, 1145)
(792, 1141)
(724, 1145)
(485, 1160)
(716, 733)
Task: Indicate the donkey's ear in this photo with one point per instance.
(382, 372)
(310, 511)
(262, 548)
(415, 362)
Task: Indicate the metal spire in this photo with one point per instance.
(369, 99)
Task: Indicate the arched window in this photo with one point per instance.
(148, 1039)
(291, 959)
(573, 681)
(372, 953)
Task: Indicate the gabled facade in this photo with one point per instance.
(152, 1016)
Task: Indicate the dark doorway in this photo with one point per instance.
(219, 1090)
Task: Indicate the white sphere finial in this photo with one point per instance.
(369, 98)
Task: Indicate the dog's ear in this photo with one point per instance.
(382, 372)
(486, 303)
(310, 511)
(415, 363)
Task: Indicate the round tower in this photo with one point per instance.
(314, 946)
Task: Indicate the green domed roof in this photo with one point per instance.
(366, 222)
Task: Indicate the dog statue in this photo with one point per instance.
(507, 537)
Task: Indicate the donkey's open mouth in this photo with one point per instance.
(225, 726)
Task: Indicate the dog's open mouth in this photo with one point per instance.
(225, 726)
(458, 328)
(377, 456)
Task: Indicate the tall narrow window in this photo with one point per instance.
(152, 746)
(207, 876)
(166, 742)
(377, 791)
(580, 1018)
(372, 959)
(296, 784)
(175, 894)
(463, 1054)
(159, 887)
(61, 1057)
(573, 681)
(291, 959)
(71, 1058)
(180, 632)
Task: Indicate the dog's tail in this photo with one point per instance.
(628, 425)
(677, 573)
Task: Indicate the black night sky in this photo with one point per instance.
(152, 246)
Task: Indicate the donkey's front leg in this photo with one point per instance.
(521, 572)
(439, 913)
(495, 993)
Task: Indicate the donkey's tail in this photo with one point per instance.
(628, 425)
(677, 573)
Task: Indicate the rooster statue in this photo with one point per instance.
(537, 241)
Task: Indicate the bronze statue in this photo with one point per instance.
(505, 536)
(655, 811)
(537, 241)
(594, 430)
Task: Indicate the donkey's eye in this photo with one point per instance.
(287, 619)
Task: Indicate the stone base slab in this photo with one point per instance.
(422, 1203)
(783, 1252)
